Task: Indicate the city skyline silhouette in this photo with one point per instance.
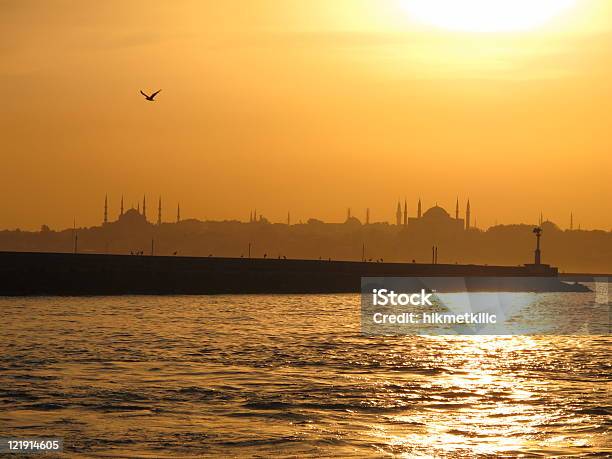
(402, 214)
(142, 229)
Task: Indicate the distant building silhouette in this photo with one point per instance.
(178, 212)
(159, 212)
(105, 209)
(436, 219)
(144, 207)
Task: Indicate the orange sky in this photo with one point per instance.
(309, 106)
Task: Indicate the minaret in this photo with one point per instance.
(405, 212)
(541, 218)
(468, 213)
(572, 221)
(420, 210)
(105, 209)
(398, 214)
(144, 207)
(138, 208)
(159, 213)
(368, 216)
(178, 212)
(348, 215)
(457, 210)
(121, 211)
(288, 218)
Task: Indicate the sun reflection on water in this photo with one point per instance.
(477, 407)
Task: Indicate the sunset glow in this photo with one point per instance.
(306, 228)
(332, 90)
(486, 15)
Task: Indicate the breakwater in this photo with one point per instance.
(26, 273)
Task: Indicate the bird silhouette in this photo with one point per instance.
(150, 98)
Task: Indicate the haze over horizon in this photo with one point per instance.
(309, 107)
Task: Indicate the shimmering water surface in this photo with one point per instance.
(289, 375)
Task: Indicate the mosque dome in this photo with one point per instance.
(436, 212)
(132, 216)
(353, 221)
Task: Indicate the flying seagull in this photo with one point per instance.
(150, 98)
